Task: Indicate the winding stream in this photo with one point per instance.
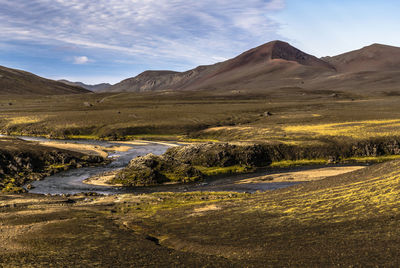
(71, 181)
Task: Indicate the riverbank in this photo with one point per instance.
(193, 165)
(22, 162)
(103, 179)
(249, 182)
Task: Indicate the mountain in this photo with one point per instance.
(267, 65)
(372, 58)
(94, 88)
(14, 81)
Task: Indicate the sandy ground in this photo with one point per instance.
(102, 179)
(303, 175)
(86, 148)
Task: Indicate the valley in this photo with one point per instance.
(272, 158)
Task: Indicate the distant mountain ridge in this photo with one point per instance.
(271, 57)
(19, 82)
(277, 66)
(94, 88)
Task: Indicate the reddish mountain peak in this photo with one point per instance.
(261, 53)
(276, 50)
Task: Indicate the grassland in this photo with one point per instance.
(346, 220)
(192, 116)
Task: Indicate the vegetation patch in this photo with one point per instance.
(214, 171)
(297, 163)
(371, 159)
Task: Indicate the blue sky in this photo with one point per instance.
(110, 40)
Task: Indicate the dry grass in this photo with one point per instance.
(202, 117)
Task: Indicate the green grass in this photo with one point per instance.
(372, 159)
(297, 163)
(174, 177)
(214, 171)
(82, 137)
(11, 188)
(154, 137)
(59, 166)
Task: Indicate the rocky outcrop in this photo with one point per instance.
(180, 164)
(220, 155)
(152, 170)
(22, 162)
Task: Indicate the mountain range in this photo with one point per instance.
(273, 66)
(94, 88)
(278, 65)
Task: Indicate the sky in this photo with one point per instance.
(95, 41)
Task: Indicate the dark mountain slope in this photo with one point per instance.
(23, 83)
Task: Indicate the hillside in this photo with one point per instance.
(23, 83)
(265, 65)
(376, 57)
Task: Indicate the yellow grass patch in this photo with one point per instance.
(357, 129)
(211, 207)
(352, 200)
(25, 120)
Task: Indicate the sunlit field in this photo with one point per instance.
(202, 117)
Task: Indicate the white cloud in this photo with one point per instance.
(276, 4)
(81, 60)
(190, 31)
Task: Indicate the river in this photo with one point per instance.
(71, 181)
